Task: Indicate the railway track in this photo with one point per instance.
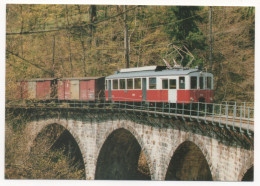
(237, 118)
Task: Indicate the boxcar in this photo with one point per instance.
(158, 84)
(84, 88)
(37, 89)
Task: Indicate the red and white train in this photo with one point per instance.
(142, 84)
(159, 84)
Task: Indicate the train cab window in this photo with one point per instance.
(193, 82)
(137, 83)
(201, 83)
(152, 83)
(165, 84)
(115, 84)
(181, 82)
(208, 83)
(130, 84)
(172, 83)
(122, 83)
(106, 84)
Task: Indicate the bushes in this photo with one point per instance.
(52, 164)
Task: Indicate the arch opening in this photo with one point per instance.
(249, 175)
(188, 163)
(56, 151)
(121, 158)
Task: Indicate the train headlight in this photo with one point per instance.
(191, 98)
(211, 99)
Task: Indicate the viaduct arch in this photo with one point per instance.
(135, 134)
(157, 144)
(190, 143)
(247, 165)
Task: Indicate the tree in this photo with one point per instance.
(183, 29)
(89, 40)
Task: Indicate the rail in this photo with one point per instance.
(233, 116)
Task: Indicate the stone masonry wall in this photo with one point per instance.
(226, 163)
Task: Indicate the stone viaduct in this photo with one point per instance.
(114, 144)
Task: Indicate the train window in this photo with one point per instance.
(122, 83)
(208, 83)
(201, 83)
(137, 83)
(152, 83)
(130, 84)
(106, 84)
(115, 84)
(181, 82)
(193, 82)
(172, 83)
(165, 84)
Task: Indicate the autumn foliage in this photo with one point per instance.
(89, 40)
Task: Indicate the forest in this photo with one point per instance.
(96, 40)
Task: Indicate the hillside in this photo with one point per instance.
(83, 40)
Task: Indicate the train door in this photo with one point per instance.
(31, 89)
(109, 90)
(74, 89)
(172, 92)
(144, 88)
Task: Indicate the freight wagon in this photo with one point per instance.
(84, 88)
(49, 89)
(38, 89)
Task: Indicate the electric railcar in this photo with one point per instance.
(159, 84)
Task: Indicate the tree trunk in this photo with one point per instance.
(53, 57)
(84, 53)
(69, 43)
(82, 46)
(210, 39)
(21, 36)
(126, 39)
(92, 19)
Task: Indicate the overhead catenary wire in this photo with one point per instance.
(163, 24)
(135, 46)
(66, 27)
(97, 22)
(36, 65)
(121, 31)
(158, 45)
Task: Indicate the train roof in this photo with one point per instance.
(67, 78)
(145, 68)
(152, 73)
(38, 79)
(81, 78)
